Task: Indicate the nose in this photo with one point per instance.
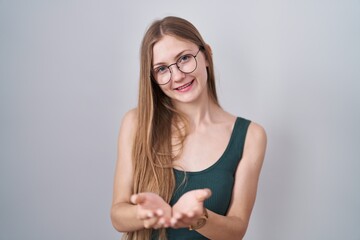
(176, 74)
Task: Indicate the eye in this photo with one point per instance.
(161, 69)
(185, 58)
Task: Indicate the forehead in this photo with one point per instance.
(168, 47)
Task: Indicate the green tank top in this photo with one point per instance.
(219, 178)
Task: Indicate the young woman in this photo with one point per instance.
(186, 168)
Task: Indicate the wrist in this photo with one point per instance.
(200, 222)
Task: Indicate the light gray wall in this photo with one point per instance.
(68, 73)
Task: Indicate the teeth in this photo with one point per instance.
(184, 86)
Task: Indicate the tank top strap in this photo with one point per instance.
(234, 151)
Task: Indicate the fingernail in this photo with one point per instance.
(159, 212)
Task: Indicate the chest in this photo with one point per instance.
(219, 178)
(203, 149)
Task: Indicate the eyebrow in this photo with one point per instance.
(176, 57)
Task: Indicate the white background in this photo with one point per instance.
(69, 72)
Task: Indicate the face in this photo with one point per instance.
(182, 87)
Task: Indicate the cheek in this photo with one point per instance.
(166, 88)
(203, 73)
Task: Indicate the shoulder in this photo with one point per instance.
(129, 123)
(255, 142)
(130, 117)
(256, 132)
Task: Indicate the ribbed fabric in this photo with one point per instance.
(219, 178)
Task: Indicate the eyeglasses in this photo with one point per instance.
(186, 64)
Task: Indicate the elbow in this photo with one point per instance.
(242, 231)
(115, 221)
(239, 233)
(242, 235)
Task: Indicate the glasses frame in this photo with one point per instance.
(176, 63)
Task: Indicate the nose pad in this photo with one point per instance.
(176, 74)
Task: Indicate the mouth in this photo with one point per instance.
(185, 86)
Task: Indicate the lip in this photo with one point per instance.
(185, 87)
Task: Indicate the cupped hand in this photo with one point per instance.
(189, 208)
(152, 210)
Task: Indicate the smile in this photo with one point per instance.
(184, 86)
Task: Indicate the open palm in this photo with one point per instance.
(189, 208)
(152, 210)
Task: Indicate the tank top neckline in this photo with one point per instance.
(232, 136)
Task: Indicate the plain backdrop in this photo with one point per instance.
(69, 71)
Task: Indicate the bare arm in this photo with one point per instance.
(122, 211)
(244, 193)
(132, 212)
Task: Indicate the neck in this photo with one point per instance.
(200, 112)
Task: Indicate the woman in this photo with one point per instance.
(186, 168)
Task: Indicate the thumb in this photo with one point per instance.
(137, 198)
(203, 194)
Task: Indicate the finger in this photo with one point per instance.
(166, 224)
(186, 218)
(133, 199)
(179, 219)
(150, 223)
(159, 212)
(173, 222)
(208, 191)
(203, 194)
(190, 214)
(162, 223)
(144, 215)
(177, 215)
(137, 198)
(150, 214)
(179, 224)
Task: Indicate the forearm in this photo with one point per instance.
(123, 218)
(223, 227)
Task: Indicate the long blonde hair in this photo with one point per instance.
(158, 121)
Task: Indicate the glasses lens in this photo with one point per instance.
(187, 63)
(162, 74)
